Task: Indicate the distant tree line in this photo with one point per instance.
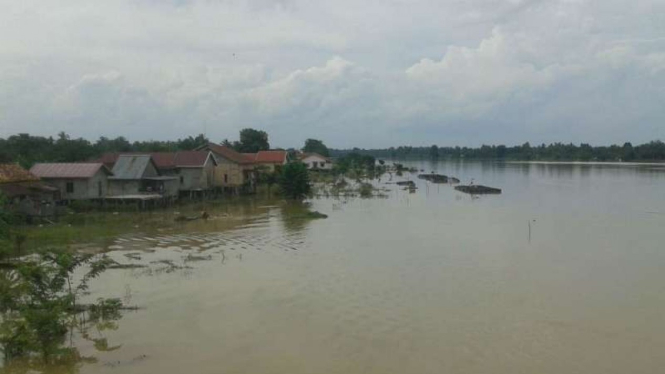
(652, 151)
(27, 149)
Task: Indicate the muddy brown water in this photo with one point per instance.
(434, 281)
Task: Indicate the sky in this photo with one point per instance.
(369, 74)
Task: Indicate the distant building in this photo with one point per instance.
(75, 181)
(315, 161)
(138, 175)
(25, 193)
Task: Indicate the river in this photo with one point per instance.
(561, 273)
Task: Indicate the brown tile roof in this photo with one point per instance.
(227, 153)
(191, 158)
(13, 173)
(271, 157)
(68, 170)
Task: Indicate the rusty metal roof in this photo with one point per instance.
(13, 173)
(68, 170)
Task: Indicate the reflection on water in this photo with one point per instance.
(562, 273)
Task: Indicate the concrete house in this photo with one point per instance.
(195, 170)
(270, 161)
(26, 195)
(315, 161)
(233, 170)
(136, 175)
(75, 181)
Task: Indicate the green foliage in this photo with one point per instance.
(38, 302)
(316, 146)
(356, 164)
(27, 150)
(294, 181)
(252, 141)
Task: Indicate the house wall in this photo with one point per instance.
(150, 171)
(235, 173)
(83, 188)
(123, 187)
(171, 187)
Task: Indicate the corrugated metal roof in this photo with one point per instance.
(67, 170)
(131, 166)
(164, 160)
(13, 173)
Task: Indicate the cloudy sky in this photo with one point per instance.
(368, 73)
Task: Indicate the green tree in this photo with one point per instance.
(252, 141)
(316, 146)
(294, 181)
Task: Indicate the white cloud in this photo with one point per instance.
(356, 74)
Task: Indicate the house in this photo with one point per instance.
(315, 161)
(234, 170)
(194, 170)
(137, 174)
(25, 193)
(75, 181)
(269, 160)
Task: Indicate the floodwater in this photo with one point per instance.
(561, 273)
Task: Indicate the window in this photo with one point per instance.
(182, 179)
(70, 187)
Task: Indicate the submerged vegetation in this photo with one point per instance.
(41, 304)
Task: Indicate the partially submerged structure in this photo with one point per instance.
(315, 161)
(75, 181)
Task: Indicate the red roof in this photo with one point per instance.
(68, 170)
(13, 173)
(271, 157)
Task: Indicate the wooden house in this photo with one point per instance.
(234, 171)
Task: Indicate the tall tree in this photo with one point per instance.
(316, 146)
(252, 140)
(294, 181)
